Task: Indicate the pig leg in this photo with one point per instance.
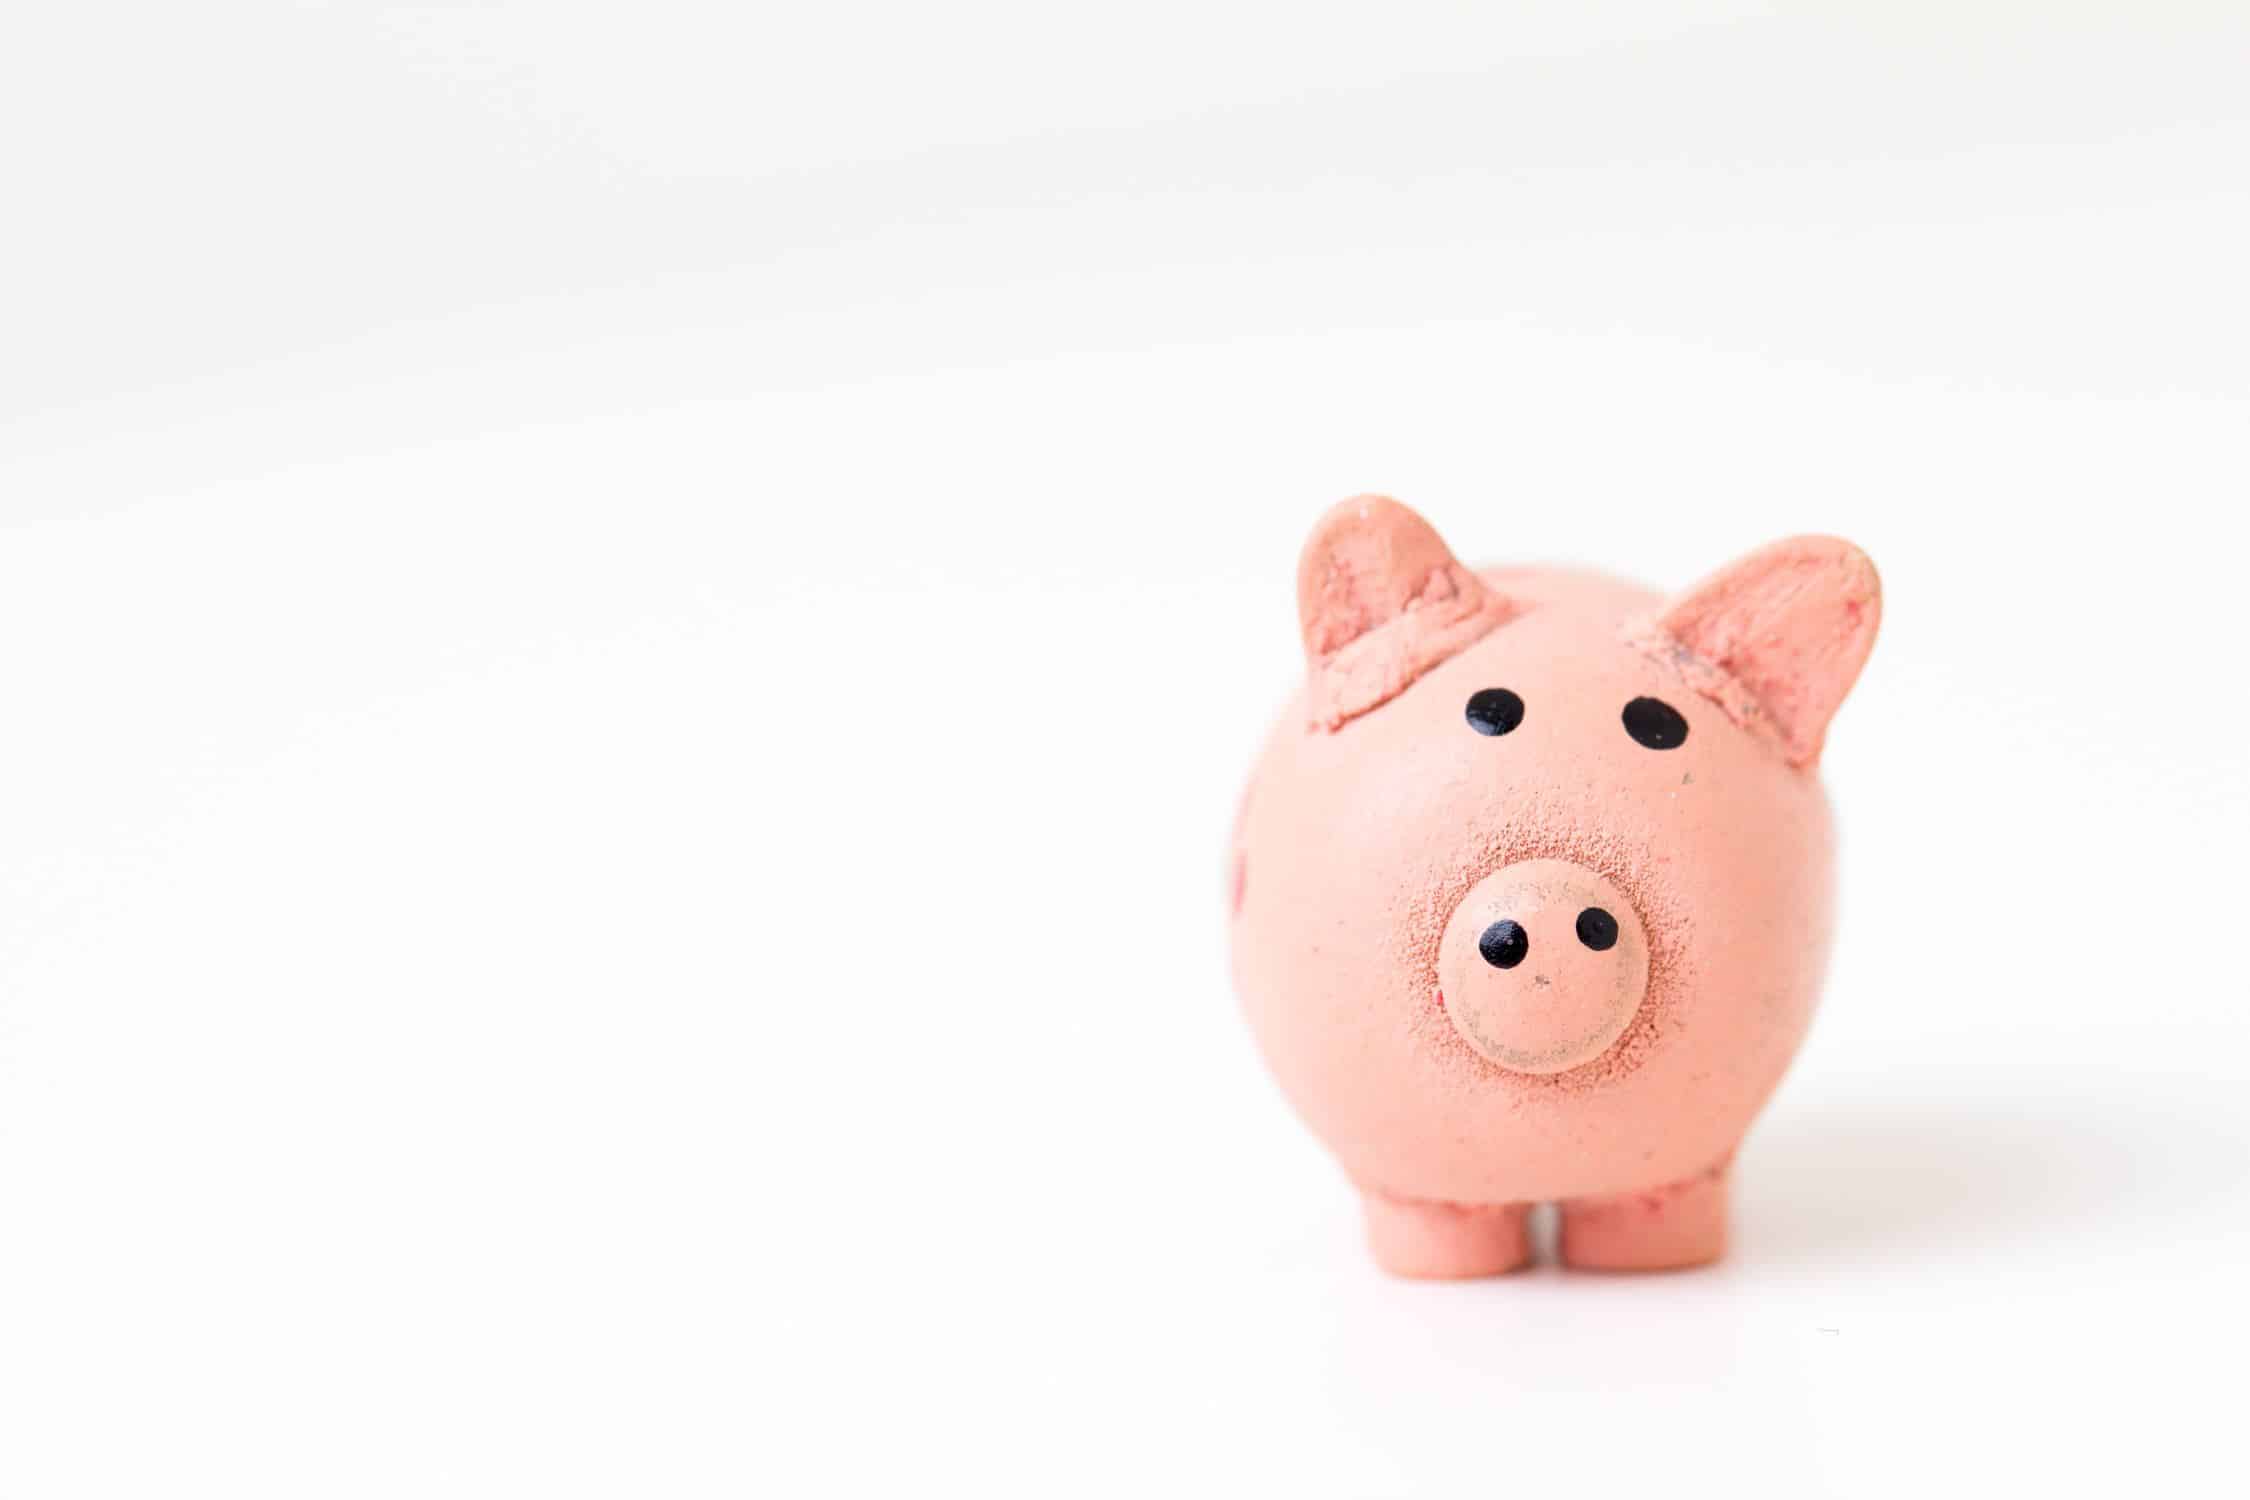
(1658, 1229)
(1446, 1241)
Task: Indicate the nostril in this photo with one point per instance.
(1597, 929)
(1504, 944)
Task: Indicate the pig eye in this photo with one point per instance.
(1494, 711)
(1655, 723)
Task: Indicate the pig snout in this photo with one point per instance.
(1543, 966)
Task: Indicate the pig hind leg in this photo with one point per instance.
(1446, 1241)
(1659, 1229)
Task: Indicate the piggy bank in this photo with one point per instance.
(1531, 885)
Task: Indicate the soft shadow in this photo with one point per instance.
(1871, 1175)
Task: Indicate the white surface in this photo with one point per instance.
(629, 640)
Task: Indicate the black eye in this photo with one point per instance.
(1494, 711)
(1597, 929)
(1504, 944)
(1655, 723)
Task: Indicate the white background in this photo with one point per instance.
(628, 634)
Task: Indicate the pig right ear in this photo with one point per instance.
(1381, 601)
(1777, 638)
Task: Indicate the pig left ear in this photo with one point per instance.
(1777, 638)
(1381, 600)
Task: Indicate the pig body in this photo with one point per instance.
(1531, 884)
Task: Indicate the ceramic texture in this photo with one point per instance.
(1531, 883)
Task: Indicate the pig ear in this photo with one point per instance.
(1381, 602)
(1778, 637)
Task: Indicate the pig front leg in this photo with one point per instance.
(1446, 1241)
(1657, 1229)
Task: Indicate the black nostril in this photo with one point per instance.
(1504, 944)
(1597, 929)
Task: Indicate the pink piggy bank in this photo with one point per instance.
(1531, 884)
